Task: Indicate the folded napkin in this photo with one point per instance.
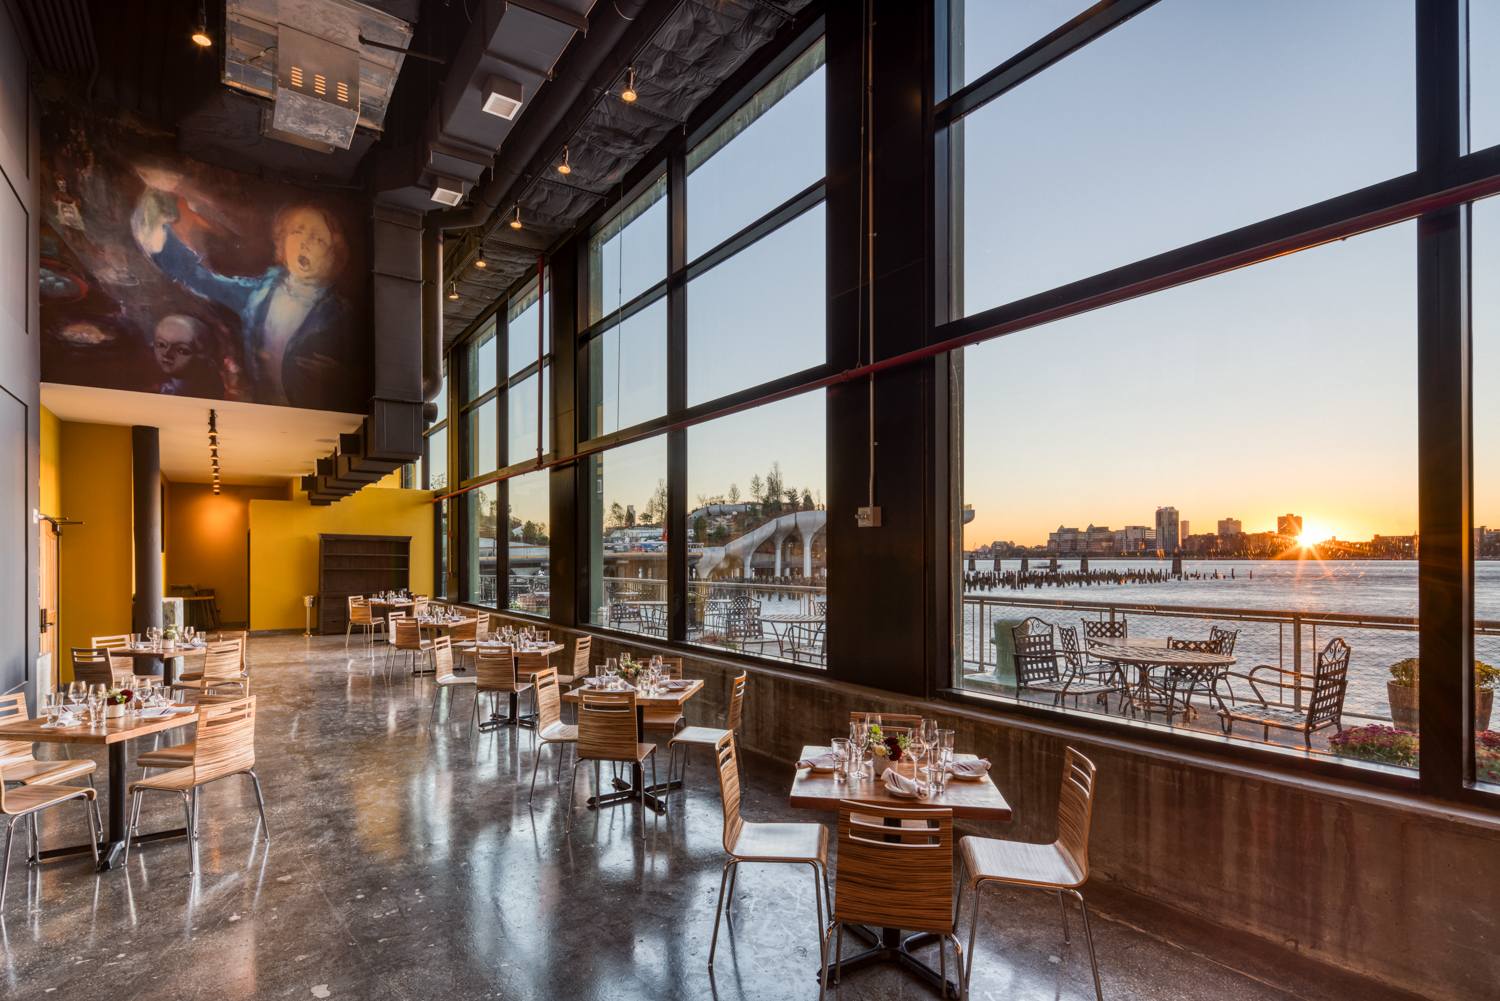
(677, 685)
(66, 720)
(900, 784)
(822, 762)
(969, 769)
(156, 712)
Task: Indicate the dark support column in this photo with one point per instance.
(563, 479)
(882, 599)
(1445, 597)
(145, 453)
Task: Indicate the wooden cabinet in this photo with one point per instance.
(358, 565)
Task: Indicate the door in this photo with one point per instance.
(15, 596)
(48, 542)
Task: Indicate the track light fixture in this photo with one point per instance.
(563, 167)
(201, 36)
(453, 290)
(516, 222)
(480, 262)
(629, 93)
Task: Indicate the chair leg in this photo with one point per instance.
(973, 927)
(88, 815)
(963, 977)
(818, 901)
(1063, 910)
(572, 787)
(537, 760)
(1088, 937)
(719, 912)
(260, 804)
(10, 832)
(192, 829)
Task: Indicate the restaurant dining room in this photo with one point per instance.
(586, 499)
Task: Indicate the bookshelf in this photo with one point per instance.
(358, 564)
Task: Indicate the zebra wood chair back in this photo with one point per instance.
(442, 656)
(1075, 810)
(674, 667)
(548, 701)
(607, 726)
(225, 742)
(895, 868)
(736, 703)
(464, 632)
(889, 721)
(221, 662)
(359, 612)
(92, 666)
(408, 633)
(495, 670)
(110, 642)
(581, 657)
(729, 790)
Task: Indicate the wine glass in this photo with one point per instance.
(93, 699)
(76, 692)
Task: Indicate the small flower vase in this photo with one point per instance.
(115, 710)
(169, 644)
(881, 764)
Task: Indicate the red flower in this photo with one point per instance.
(893, 748)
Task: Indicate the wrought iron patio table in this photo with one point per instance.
(1191, 665)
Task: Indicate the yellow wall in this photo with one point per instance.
(51, 486)
(96, 571)
(206, 542)
(284, 545)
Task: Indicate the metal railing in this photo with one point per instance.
(1286, 639)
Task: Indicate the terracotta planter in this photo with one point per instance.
(1403, 705)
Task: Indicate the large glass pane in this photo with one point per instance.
(482, 433)
(994, 30)
(629, 254)
(523, 418)
(628, 371)
(1486, 411)
(627, 537)
(437, 461)
(530, 552)
(1232, 472)
(761, 314)
(442, 399)
(483, 519)
(757, 549)
(768, 151)
(525, 314)
(1484, 74)
(1184, 147)
(483, 364)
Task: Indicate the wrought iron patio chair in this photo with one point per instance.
(1037, 666)
(1324, 697)
(1177, 677)
(1226, 638)
(1080, 662)
(802, 643)
(1104, 632)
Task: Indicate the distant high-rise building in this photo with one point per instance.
(1183, 532)
(1229, 526)
(1134, 539)
(1094, 539)
(1168, 532)
(1288, 524)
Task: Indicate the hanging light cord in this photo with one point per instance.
(867, 200)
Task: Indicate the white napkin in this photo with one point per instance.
(822, 762)
(156, 712)
(898, 783)
(969, 769)
(67, 719)
(677, 685)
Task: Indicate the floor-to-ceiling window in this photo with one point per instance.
(1189, 474)
(528, 437)
(747, 306)
(433, 475)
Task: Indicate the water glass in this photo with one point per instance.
(841, 751)
(52, 707)
(943, 757)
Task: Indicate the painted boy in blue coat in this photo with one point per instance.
(298, 332)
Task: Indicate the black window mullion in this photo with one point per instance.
(677, 349)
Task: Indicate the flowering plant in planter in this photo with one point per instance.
(892, 746)
(630, 667)
(1487, 756)
(119, 696)
(1376, 743)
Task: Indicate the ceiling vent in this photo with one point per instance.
(447, 191)
(317, 88)
(502, 97)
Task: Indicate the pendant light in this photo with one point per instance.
(629, 93)
(480, 262)
(516, 222)
(563, 167)
(453, 290)
(201, 37)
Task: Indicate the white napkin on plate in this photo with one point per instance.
(67, 719)
(900, 784)
(822, 762)
(969, 769)
(677, 685)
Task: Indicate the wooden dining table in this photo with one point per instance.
(169, 658)
(969, 799)
(636, 788)
(114, 734)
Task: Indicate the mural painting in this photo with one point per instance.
(160, 274)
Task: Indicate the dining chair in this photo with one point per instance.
(464, 636)
(666, 720)
(895, 871)
(749, 841)
(21, 765)
(93, 666)
(419, 606)
(221, 669)
(29, 800)
(361, 616)
(495, 674)
(890, 721)
(550, 729)
(110, 642)
(690, 737)
(1061, 867)
(390, 633)
(236, 640)
(607, 732)
(529, 663)
(580, 668)
(408, 639)
(445, 679)
(223, 746)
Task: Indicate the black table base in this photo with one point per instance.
(890, 947)
(496, 721)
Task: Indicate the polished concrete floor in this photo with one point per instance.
(406, 863)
